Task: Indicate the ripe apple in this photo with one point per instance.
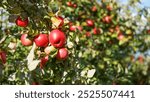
(41, 40)
(89, 22)
(75, 5)
(109, 7)
(96, 31)
(72, 28)
(57, 38)
(21, 23)
(141, 59)
(69, 3)
(43, 61)
(120, 36)
(62, 54)
(3, 57)
(107, 19)
(94, 8)
(148, 31)
(61, 19)
(88, 34)
(79, 28)
(25, 41)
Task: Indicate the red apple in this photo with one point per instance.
(43, 61)
(3, 57)
(72, 28)
(57, 38)
(120, 36)
(75, 5)
(107, 19)
(94, 8)
(21, 23)
(69, 3)
(41, 40)
(62, 54)
(141, 59)
(88, 34)
(96, 31)
(148, 31)
(89, 22)
(25, 41)
(79, 28)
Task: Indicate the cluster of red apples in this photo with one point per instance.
(55, 40)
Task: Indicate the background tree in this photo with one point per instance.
(74, 42)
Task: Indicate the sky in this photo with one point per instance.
(146, 3)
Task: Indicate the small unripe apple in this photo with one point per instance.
(21, 23)
(49, 49)
(57, 38)
(129, 32)
(41, 40)
(62, 54)
(73, 28)
(25, 41)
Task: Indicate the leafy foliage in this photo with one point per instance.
(114, 50)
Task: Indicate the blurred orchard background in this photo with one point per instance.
(85, 42)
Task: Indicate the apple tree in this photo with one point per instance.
(74, 42)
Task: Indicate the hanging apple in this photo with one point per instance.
(21, 23)
(25, 41)
(62, 54)
(41, 40)
(57, 38)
